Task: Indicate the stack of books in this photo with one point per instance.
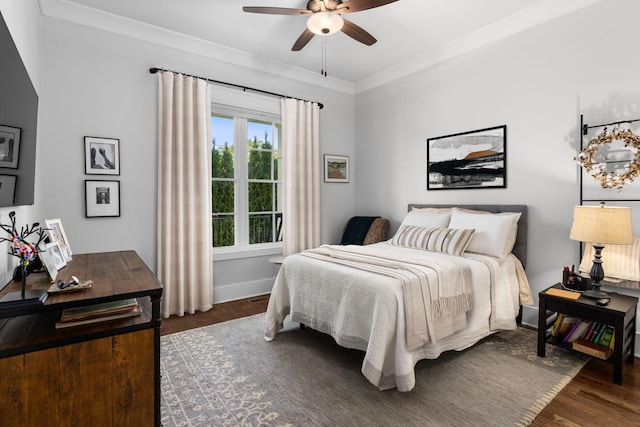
(99, 313)
(593, 338)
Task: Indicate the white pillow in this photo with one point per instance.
(618, 261)
(495, 233)
(427, 217)
(445, 240)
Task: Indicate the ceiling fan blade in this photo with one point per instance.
(358, 33)
(302, 41)
(358, 5)
(276, 10)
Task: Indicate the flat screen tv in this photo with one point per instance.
(18, 125)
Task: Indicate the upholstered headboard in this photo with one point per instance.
(520, 248)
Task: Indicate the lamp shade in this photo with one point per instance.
(325, 23)
(602, 224)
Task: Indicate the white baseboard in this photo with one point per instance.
(238, 291)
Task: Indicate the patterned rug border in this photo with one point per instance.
(535, 409)
(527, 416)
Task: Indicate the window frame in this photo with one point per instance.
(242, 248)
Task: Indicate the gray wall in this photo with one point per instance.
(96, 83)
(538, 83)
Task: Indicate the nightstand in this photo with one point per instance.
(619, 313)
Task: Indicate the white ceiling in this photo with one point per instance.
(412, 34)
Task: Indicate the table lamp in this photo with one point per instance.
(600, 225)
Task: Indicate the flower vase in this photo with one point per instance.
(23, 264)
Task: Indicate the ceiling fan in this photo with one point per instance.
(325, 18)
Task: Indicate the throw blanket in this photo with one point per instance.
(357, 229)
(436, 291)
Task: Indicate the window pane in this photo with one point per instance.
(223, 230)
(277, 136)
(259, 164)
(260, 145)
(260, 228)
(223, 196)
(260, 197)
(277, 165)
(222, 153)
(278, 204)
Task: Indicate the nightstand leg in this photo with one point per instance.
(542, 326)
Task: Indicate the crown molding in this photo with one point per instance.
(533, 16)
(538, 14)
(105, 21)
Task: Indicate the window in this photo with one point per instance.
(246, 182)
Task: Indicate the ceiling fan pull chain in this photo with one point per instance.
(323, 53)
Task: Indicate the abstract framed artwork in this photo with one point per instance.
(55, 232)
(468, 160)
(336, 168)
(7, 189)
(9, 146)
(101, 156)
(102, 198)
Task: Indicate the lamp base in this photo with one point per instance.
(595, 294)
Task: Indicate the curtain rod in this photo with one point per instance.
(154, 70)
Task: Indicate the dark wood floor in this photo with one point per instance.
(590, 399)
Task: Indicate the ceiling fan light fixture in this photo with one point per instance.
(325, 23)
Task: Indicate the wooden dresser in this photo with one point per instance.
(101, 374)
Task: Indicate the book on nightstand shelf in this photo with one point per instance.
(592, 349)
(99, 313)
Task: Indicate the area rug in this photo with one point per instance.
(227, 375)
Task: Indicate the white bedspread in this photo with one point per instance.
(364, 310)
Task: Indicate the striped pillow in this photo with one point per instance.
(452, 241)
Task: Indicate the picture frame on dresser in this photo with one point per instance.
(55, 256)
(9, 146)
(102, 199)
(49, 264)
(468, 160)
(55, 233)
(101, 156)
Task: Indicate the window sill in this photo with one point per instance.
(239, 253)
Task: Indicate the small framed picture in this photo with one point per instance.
(55, 232)
(49, 263)
(336, 168)
(9, 146)
(55, 253)
(7, 189)
(102, 198)
(101, 156)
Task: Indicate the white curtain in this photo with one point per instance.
(184, 194)
(301, 179)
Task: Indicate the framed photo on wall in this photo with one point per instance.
(101, 156)
(7, 189)
(55, 232)
(9, 146)
(475, 159)
(336, 168)
(102, 198)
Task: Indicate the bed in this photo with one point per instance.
(449, 277)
